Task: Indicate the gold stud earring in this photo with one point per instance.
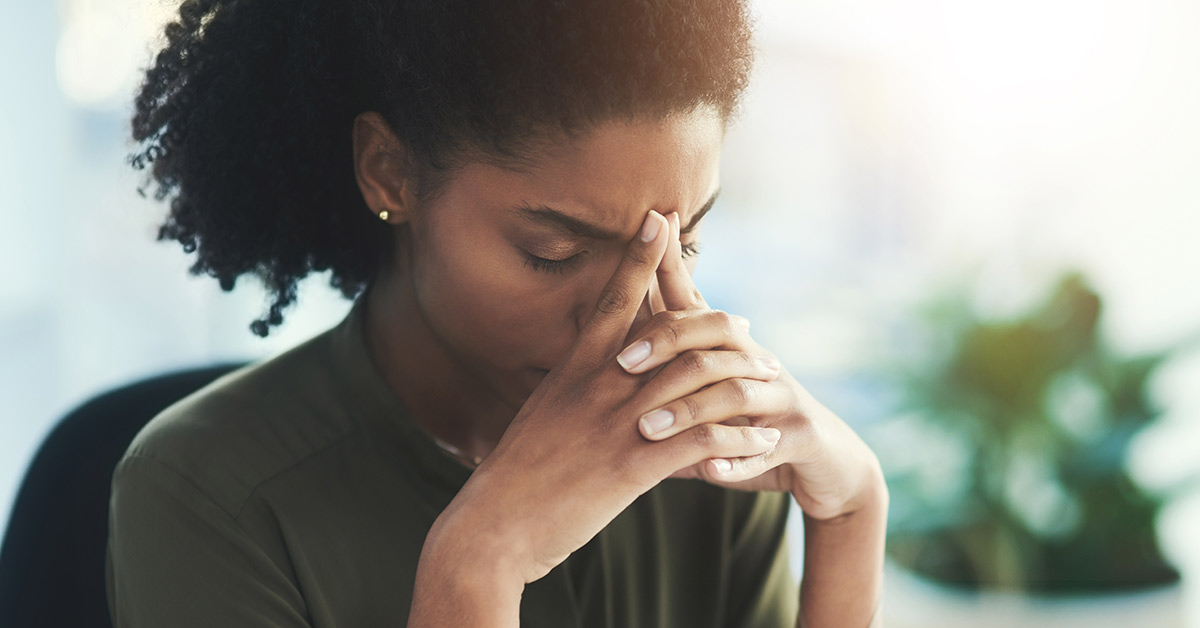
(383, 215)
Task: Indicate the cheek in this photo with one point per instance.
(481, 301)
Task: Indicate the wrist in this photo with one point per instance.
(459, 581)
(468, 575)
(456, 542)
(843, 562)
(869, 501)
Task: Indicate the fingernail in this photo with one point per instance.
(769, 362)
(658, 421)
(634, 354)
(722, 465)
(650, 227)
(769, 434)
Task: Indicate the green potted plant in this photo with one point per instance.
(1007, 455)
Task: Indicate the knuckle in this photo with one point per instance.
(706, 436)
(749, 361)
(664, 328)
(612, 300)
(640, 256)
(741, 390)
(669, 335)
(691, 409)
(727, 321)
(673, 316)
(695, 362)
(749, 439)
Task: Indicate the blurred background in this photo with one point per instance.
(969, 227)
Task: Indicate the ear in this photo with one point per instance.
(383, 168)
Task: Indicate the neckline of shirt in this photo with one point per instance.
(368, 393)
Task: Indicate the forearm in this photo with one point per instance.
(457, 586)
(843, 566)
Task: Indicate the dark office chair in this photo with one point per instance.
(52, 562)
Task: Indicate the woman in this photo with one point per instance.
(529, 416)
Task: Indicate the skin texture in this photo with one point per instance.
(490, 354)
(460, 325)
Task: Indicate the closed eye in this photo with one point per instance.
(542, 264)
(559, 266)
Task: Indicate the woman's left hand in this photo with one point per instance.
(818, 459)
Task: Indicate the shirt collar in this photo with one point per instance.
(366, 392)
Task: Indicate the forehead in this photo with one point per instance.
(612, 175)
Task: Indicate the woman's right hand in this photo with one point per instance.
(573, 458)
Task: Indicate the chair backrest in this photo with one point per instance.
(52, 567)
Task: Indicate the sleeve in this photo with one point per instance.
(763, 593)
(176, 558)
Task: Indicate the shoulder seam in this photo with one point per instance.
(243, 501)
(295, 463)
(181, 476)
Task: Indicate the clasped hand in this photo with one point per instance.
(692, 395)
(815, 455)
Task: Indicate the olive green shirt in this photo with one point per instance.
(297, 491)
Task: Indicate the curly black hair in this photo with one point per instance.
(245, 117)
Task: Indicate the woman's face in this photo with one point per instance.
(507, 265)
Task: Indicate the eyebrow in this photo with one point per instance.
(552, 217)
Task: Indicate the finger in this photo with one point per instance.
(696, 471)
(697, 370)
(670, 334)
(737, 469)
(737, 420)
(674, 280)
(711, 440)
(656, 299)
(717, 403)
(627, 288)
